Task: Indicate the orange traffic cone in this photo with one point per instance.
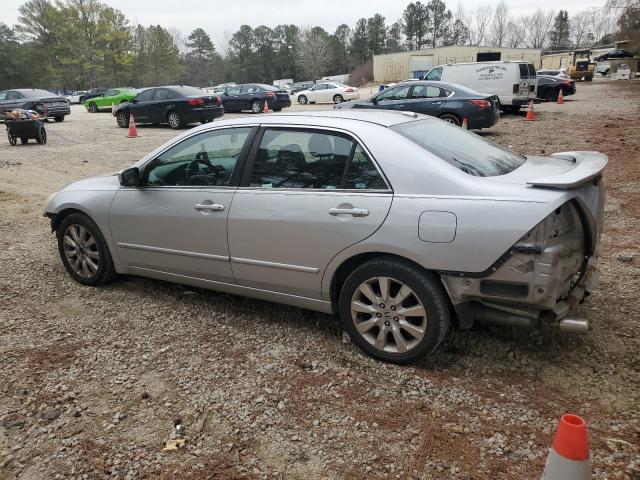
(531, 115)
(560, 98)
(465, 126)
(266, 107)
(133, 131)
(569, 455)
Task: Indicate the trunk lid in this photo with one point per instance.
(578, 173)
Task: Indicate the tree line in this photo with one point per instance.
(75, 44)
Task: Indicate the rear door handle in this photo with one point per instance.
(355, 212)
(216, 207)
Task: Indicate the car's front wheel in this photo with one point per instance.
(93, 108)
(122, 118)
(174, 120)
(302, 100)
(84, 251)
(394, 311)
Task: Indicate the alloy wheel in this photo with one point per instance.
(256, 107)
(388, 315)
(81, 251)
(174, 120)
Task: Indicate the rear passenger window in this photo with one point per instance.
(311, 159)
(524, 71)
(426, 91)
(362, 174)
(161, 94)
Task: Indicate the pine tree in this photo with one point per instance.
(559, 36)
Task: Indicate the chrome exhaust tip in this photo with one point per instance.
(574, 325)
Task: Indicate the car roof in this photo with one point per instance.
(31, 91)
(385, 118)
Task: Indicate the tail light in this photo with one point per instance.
(516, 87)
(195, 102)
(270, 94)
(349, 90)
(481, 103)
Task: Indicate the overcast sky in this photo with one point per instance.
(220, 18)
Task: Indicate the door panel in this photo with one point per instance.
(177, 223)
(164, 229)
(297, 208)
(283, 240)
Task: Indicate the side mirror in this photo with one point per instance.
(130, 177)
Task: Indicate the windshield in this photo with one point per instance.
(466, 151)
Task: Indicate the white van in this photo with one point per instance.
(515, 83)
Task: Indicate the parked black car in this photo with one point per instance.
(449, 101)
(176, 105)
(614, 53)
(251, 96)
(549, 87)
(91, 93)
(43, 102)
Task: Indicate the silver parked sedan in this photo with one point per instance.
(402, 223)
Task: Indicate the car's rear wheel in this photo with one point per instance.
(551, 96)
(302, 100)
(393, 311)
(59, 118)
(256, 106)
(174, 120)
(338, 99)
(451, 118)
(93, 108)
(83, 250)
(122, 118)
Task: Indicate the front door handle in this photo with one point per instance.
(215, 207)
(355, 212)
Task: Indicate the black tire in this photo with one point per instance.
(451, 118)
(257, 106)
(551, 96)
(93, 108)
(174, 120)
(13, 140)
(42, 136)
(338, 98)
(426, 288)
(302, 100)
(105, 271)
(59, 118)
(122, 119)
(24, 140)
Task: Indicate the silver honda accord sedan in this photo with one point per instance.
(402, 223)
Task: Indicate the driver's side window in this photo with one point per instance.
(207, 159)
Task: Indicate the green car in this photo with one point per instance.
(109, 98)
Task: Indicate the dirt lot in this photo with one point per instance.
(94, 380)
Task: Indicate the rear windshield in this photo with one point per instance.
(466, 151)
(532, 70)
(188, 91)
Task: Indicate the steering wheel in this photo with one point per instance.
(215, 171)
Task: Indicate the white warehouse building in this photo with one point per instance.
(393, 67)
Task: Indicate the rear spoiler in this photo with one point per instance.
(587, 166)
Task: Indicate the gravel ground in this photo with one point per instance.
(95, 381)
